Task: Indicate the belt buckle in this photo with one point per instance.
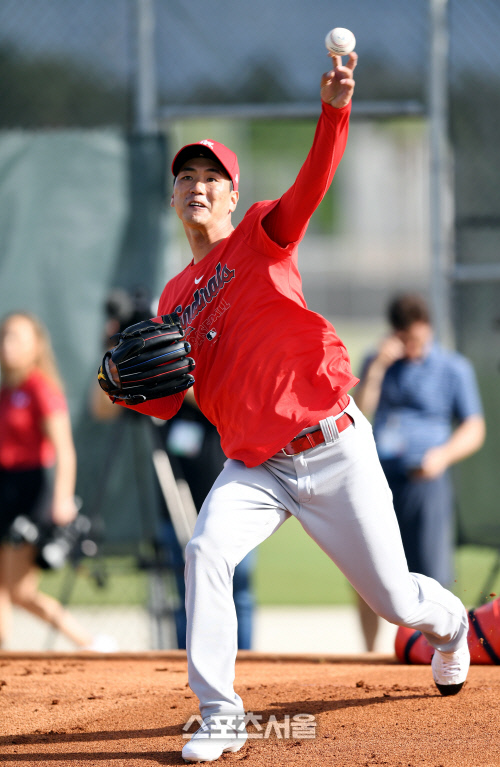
(283, 450)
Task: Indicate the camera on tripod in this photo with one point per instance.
(56, 545)
(124, 308)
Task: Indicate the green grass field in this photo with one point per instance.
(291, 570)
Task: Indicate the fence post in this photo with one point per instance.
(441, 185)
(144, 84)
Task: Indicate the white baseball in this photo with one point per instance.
(340, 41)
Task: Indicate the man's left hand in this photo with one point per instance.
(337, 86)
(434, 463)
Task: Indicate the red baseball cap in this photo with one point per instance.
(209, 148)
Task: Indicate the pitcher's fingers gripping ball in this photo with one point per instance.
(151, 361)
(340, 41)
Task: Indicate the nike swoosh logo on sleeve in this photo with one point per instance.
(196, 281)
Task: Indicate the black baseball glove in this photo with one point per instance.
(151, 359)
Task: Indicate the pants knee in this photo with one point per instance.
(204, 553)
(395, 610)
(194, 551)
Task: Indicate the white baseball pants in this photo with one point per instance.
(339, 494)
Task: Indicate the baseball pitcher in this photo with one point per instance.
(274, 378)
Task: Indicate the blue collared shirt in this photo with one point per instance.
(420, 402)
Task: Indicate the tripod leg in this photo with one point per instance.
(163, 592)
(176, 493)
(112, 455)
(160, 610)
(183, 517)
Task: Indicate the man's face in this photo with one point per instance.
(415, 339)
(202, 193)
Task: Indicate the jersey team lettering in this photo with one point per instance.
(205, 295)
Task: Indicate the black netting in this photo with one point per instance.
(474, 119)
(64, 64)
(262, 51)
(72, 63)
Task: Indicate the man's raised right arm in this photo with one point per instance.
(288, 220)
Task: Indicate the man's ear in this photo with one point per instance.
(172, 201)
(233, 197)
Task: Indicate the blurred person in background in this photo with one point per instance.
(37, 470)
(195, 452)
(427, 416)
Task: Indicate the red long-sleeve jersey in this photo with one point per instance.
(266, 366)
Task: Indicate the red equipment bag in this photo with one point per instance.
(483, 638)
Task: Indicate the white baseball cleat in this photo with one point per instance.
(449, 670)
(216, 735)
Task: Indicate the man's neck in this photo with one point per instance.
(202, 241)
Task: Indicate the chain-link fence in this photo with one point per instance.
(248, 74)
(67, 63)
(95, 66)
(474, 120)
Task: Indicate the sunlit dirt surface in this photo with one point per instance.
(84, 710)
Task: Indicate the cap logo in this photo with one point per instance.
(209, 144)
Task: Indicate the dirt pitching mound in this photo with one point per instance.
(84, 710)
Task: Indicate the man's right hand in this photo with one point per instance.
(337, 86)
(368, 392)
(390, 350)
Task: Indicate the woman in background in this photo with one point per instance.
(37, 469)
